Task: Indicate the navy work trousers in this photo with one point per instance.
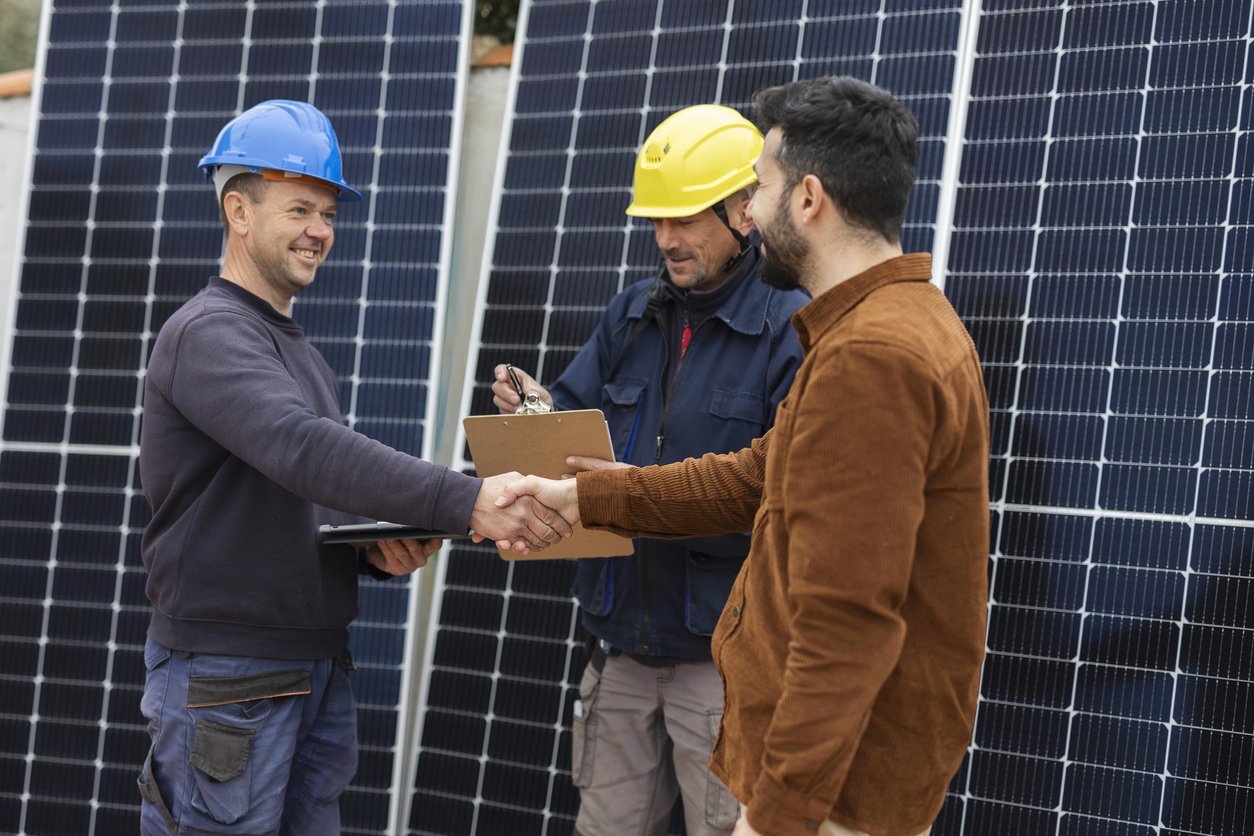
(242, 745)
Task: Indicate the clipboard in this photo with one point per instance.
(539, 444)
(363, 534)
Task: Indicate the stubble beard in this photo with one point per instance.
(785, 254)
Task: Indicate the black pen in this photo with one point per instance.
(517, 386)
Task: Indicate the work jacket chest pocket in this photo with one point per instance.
(622, 401)
(745, 406)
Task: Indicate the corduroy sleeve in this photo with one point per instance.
(852, 483)
(715, 494)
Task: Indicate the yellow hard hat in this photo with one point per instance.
(695, 158)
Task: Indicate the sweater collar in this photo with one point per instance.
(744, 311)
(253, 301)
(826, 309)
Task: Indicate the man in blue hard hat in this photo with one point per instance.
(243, 455)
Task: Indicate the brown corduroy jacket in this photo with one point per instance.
(851, 644)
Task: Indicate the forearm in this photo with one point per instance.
(716, 494)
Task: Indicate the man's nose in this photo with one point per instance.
(318, 228)
(664, 233)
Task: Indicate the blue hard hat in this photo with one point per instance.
(282, 135)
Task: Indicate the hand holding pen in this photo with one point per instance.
(513, 389)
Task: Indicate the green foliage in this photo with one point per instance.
(19, 30)
(497, 17)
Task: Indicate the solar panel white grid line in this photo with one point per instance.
(34, 718)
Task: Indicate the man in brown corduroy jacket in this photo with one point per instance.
(851, 644)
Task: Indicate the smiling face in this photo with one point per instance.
(289, 235)
(695, 248)
(785, 253)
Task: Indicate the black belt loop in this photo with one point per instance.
(152, 794)
(345, 661)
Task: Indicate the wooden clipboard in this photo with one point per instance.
(539, 444)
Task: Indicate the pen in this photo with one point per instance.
(517, 385)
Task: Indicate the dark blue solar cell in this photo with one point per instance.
(1135, 592)
(1100, 114)
(599, 171)
(1019, 32)
(552, 57)
(1130, 642)
(64, 134)
(1211, 756)
(996, 206)
(114, 205)
(1002, 75)
(406, 246)
(188, 95)
(1197, 64)
(766, 10)
(91, 508)
(585, 288)
(1202, 20)
(546, 171)
(1069, 343)
(680, 88)
(1144, 543)
(1182, 157)
(546, 95)
(282, 58)
(1241, 210)
(997, 341)
(1107, 26)
(52, 241)
(1183, 250)
(46, 389)
(422, 56)
(1003, 163)
(347, 93)
(76, 62)
(917, 75)
(1216, 651)
(418, 94)
(1228, 444)
(846, 38)
(524, 248)
(682, 49)
(71, 97)
(1092, 159)
(59, 205)
(392, 399)
(934, 32)
(227, 22)
(1058, 484)
(1197, 202)
(1064, 389)
(159, 26)
(531, 211)
(1223, 549)
(1039, 583)
(1231, 395)
(839, 8)
(1091, 204)
(1171, 344)
(122, 242)
(144, 61)
(78, 27)
(590, 249)
(992, 817)
(210, 59)
(1021, 729)
(1125, 744)
(1234, 346)
(1174, 441)
(600, 208)
(407, 206)
(991, 251)
(354, 56)
(763, 43)
(1047, 536)
(64, 278)
(368, 20)
(1215, 704)
(1220, 601)
(397, 168)
(431, 19)
(1088, 297)
(1194, 109)
(572, 19)
(1025, 117)
(1051, 436)
(545, 133)
(1113, 793)
(195, 206)
(707, 13)
(1158, 392)
(178, 242)
(105, 391)
(396, 360)
(1170, 296)
(613, 92)
(1030, 781)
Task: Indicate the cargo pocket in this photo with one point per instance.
(227, 714)
(584, 729)
(721, 808)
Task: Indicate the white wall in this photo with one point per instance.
(15, 125)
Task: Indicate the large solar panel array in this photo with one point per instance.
(1096, 228)
(593, 79)
(122, 229)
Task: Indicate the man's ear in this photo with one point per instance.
(736, 215)
(239, 212)
(810, 198)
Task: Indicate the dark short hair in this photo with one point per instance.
(855, 137)
(250, 184)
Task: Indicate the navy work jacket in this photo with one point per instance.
(666, 598)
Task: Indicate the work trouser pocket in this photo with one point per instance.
(721, 808)
(584, 729)
(232, 756)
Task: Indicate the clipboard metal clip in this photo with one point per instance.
(532, 405)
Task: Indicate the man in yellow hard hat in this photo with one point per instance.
(693, 362)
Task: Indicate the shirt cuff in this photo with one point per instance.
(777, 810)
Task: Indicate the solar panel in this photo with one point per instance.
(121, 229)
(1089, 215)
(591, 80)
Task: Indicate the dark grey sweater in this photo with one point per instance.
(243, 454)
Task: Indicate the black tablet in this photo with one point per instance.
(366, 533)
